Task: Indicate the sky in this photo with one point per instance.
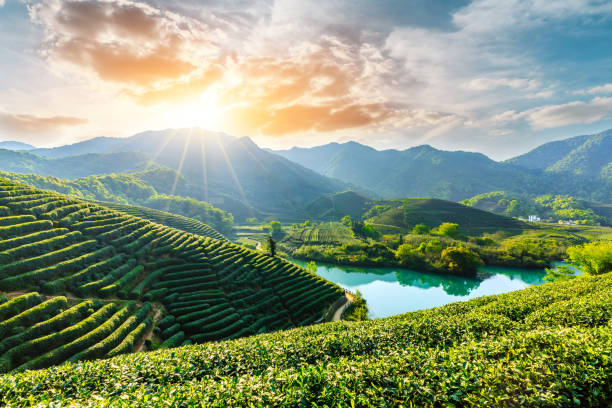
(498, 77)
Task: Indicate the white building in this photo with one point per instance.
(534, 218)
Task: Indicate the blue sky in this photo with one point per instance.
(499, 77)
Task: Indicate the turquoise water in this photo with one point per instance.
(391, 291)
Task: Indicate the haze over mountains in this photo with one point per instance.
(216, 167)
(424, 171)
(589, 155)
(236, 175)
(10, 145)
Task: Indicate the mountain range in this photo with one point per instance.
(579, 166)
(224, 170)
(589, 155)
(11, 145)
(236, 175)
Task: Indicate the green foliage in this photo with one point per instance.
(420, 229)
(460, 260)
(276, 229)
(449, 229)
(358, 309)
(592, 258)
(198, 210)
(559, 273)
(131, 189)
(547, 206)
(546, 346)
(311, 267)
(216, 290)
(347, 220)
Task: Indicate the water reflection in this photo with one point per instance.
(392, 291)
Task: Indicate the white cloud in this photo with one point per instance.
(601, 89)
(485, 84)
(1, 3)
(569, 113)
(511, 15)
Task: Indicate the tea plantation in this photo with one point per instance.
(545, 346)
(83, 281)
(166, 218)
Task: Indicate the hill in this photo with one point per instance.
(554, 208)
(589, 155)
(337, 205)
(216, 167)
(424, 171)
(166, 218)
(545, 346)
(10, 145)
(406, 213)
(136, 188)
(73, 167)
(86, 282)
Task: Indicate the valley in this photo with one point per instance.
(223, 257)
(305, 204)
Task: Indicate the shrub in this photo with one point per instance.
(460, 260)
(33, 315)
(449, 229)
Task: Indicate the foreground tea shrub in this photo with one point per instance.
(545, 346)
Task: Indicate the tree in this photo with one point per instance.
(358, 310)
(450, 229)
(347, 220)
(460, 259)
(271, 246)
(559, 273)
(593, 258)
(276, 228)
(420, 229)
(311, 267)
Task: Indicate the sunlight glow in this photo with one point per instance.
(205, 114)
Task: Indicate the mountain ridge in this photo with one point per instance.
(423, 170)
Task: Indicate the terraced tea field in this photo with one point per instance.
(166, 218)
(84, 281)
(544, 346)
(333, 233)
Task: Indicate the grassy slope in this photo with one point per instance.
(432, 212)
(57, 245)
(544, 346)
(335, 206)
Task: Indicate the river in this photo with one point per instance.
(391, 291)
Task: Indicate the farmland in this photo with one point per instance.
(84, 281)
(331, 233)
(165, 218)
(544, 346)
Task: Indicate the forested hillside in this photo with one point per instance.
(84, 281)
(135, 188)
(589, 155)
(73, 166)
(554, 208)
(544, 346)
(218, 168)
(578, 167)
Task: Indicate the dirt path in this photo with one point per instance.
(140, 346)
(338, 313)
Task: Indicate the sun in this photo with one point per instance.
(206, 113)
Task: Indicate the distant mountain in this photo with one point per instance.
(589, 155)
(424, 171)
(10, 145)
(221, 169)
(73, 167)
(420, 171)
(337, 205)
